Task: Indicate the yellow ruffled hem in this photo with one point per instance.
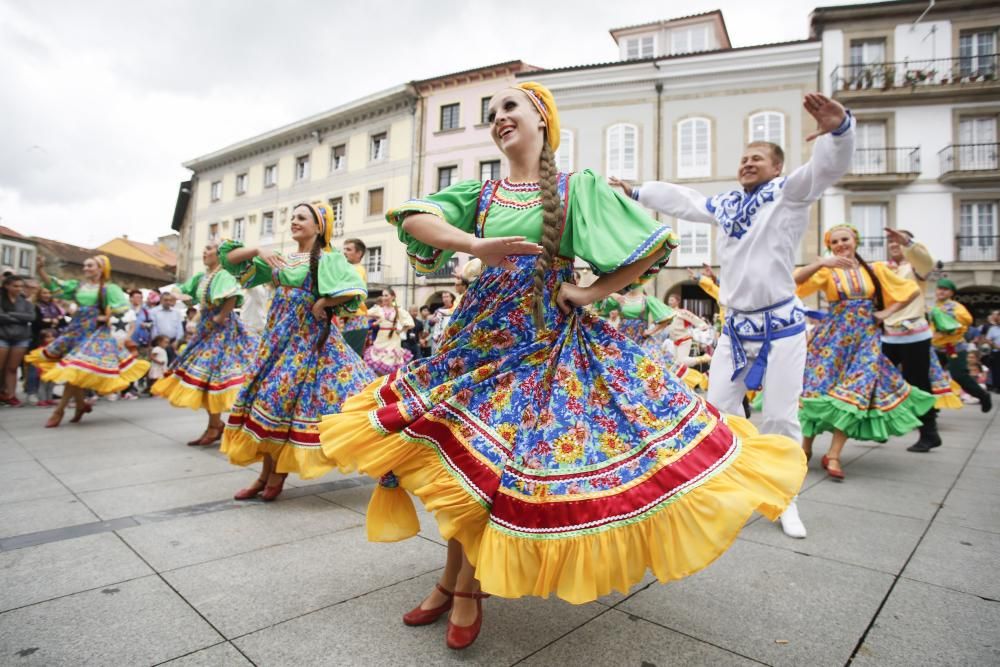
(949, 401)
(243, 448)
(102, 384)
(39, 360)
(678, 540)
(183, 396)
(695, 379)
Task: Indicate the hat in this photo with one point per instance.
(843, 225)
(945, 283)
(472, 270)
(323, 215)
(545, 103)
(105, 264)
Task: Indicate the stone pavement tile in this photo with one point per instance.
(11, 451)
(847, 534)
(615, 638)
(250, 591)
(901, 457)
(139, 622)
(959, 558)
(980, 479)
(157, 467)
(914, 469)
(67, 451)
(31, 516)
(356, 498)
(918, 501)
(927, 625)
(756, 595)
(220, 655)
(972, 510)
(613, 598)
(168, 545)
(512, 629)
(47, 571)
(985, 458)
(332, 476)
(156, 496)
(28, 480)
(94, 428)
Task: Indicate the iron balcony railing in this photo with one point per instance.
(446, 271)
(872, 248)
(915, 73)
(977, 248)
(969, 157)
(874, 161)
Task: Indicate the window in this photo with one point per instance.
(213, 232)
(863, 54)
(768, 126)
(373, 263)
(239, 229)
(337, 207)
(694, 148)
(216, 190)
(375, 201)
(871, 221)
(695, 248)
(977, 53)
(449, 116)
(564, 156)
(484, 111)
(338, 157)
(689, 40)
(977, 232)
(8, 256)
(489, 171)
(977, 138)
(270, 175)
(241, 183)
(24, 260)
(640, 47)
(446, 176)
(622, 151)
(380, 146)
(267, 225)
(869, 148)
(302, 168)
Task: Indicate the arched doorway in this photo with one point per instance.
(980, 300)
(694, 298)
(436, 300)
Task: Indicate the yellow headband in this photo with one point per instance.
(542, 98)
(105, 264)
(324, 218)
(850, 228)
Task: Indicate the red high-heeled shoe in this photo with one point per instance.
(54, 419)
(271, 492)
(459, 637)
(213, 436)
(420, 616)
(251, 491)
(80, 412)
(836, 475)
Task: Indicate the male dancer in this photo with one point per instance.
(906, 335)
(356, 327)
(950, 345)
(761, 226)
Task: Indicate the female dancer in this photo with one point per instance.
(387, 354)
(17, 315)
(208, 373)
(85, 355)
(850, 387)
(556, 457)
(302, 368)
(440, 319)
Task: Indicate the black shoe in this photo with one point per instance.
(929, 439)
(986, 403)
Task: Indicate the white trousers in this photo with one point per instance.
(782, 383)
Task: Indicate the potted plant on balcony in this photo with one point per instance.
(888, 77)
(868, 76)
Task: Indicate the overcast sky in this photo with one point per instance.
(102, 100)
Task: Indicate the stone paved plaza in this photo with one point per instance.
(119, 546)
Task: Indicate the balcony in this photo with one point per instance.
(977, 248)
(917, 81)
(882, 168)
(444, 274)
(970, 165)
(872, 248)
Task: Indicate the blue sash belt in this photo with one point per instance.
(742, 330)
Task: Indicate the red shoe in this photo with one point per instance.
(45, 404)
(14, 402)
(54, 419)
(272, 492)
(836, 475)
(420, 616)
(825, 461)
(251, 491)
(459, 637)
(192, 443)
(80, 412)
(211, 437)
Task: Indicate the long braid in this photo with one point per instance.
(324, 325)
(879, 300)
(100, 295)
(395, 314)
(551, 215)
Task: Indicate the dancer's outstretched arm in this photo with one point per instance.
(804, 273)
(437, 233)
(834, 150)
(673, 200)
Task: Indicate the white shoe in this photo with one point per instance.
(791, 524)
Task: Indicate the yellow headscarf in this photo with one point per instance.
(105, 264)
(542, 98)
(324, 218)
(844, 225)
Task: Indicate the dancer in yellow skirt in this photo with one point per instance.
(86, 355)
(556, 457)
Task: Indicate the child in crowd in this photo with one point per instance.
(158, 359)
(45, 398)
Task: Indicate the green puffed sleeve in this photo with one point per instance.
(115, 298)
(250, 273)
(604, 307)
(190, 286)
(657, 311)
(456, 205)
(608, 230)
(338, 278)
(63, 289)
(224, 286)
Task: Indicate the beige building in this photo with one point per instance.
(356, 157)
